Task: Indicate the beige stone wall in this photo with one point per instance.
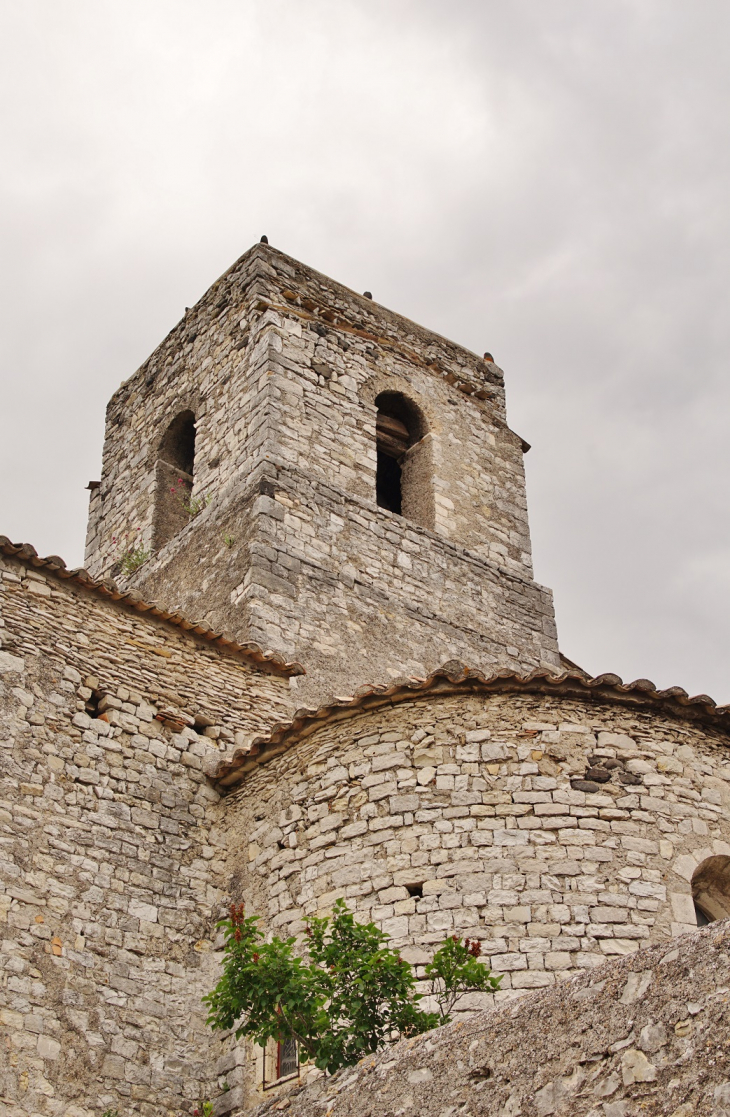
(112, 847)
(278, 360)
(457, 810)
(643, 1035)
(281, 367)
(359, 594)
(211, 363)
(469, 800)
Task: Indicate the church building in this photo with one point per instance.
(307, 659)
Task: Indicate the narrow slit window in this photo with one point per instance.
(92, 703)
(178, 444)
(280, 1062)
(388, 483)
(702, 919)
(288, 1058)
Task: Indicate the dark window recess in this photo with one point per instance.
(702, 919)
(178, 444)
(388, 484)
(711, 890)
(287, 1058)
(414, 890)
(393, 435)
(398, 426)
(174, 479)
(393, 439)
(92, 704)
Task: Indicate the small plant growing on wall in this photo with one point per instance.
(456, 971)
(352, 994)
(130, 551)
(193, 505)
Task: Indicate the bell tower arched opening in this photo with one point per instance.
(404, 475)
(174, 478)
(177, 447)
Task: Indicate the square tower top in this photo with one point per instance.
(308, 469)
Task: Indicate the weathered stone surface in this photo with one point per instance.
(112, 848)
(551, 879)
(559, 822)
(281, 368)
(572, 1050)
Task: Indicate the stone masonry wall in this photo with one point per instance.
(468, 799)
(281, 367)
(365, 594)
(112, 847)
(462, 813)
(643, 1036)
(212, 363)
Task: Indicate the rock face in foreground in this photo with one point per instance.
(649, 1034)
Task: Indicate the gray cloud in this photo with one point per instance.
(548, 181)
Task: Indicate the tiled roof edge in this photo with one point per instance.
(107, 588)
(454, 677)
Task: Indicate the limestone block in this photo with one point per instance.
(48, 1048)
(653, 1036)
(635, 1067)
(636, 986)
(532, 979)
(11, 663)
(683, 908)
(558, 960)
(619, 946)
(507, 963)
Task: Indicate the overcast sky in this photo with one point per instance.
(549, 181)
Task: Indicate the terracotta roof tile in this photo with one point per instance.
(106, 587)
(453, 678)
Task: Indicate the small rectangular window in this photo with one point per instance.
(288, 1058)
(280, 1062)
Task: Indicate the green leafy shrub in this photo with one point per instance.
(351, 995)
(456, 971)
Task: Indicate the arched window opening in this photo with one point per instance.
(403, 477)
(711, 890)
(174, 478)
(178, 443)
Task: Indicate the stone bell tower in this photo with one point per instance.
(311, 471)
